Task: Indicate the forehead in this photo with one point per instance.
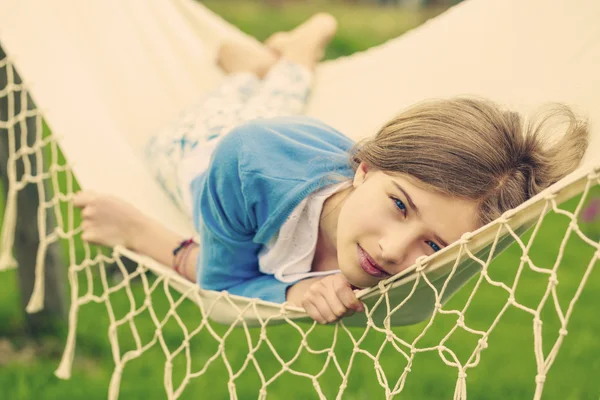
(447, 216)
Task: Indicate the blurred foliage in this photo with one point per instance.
(360, 25)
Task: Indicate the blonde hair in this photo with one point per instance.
(471, 148)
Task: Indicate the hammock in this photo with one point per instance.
(104, 88)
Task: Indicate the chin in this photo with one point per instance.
(352, 271)
(354, 274)
(365, 283)
(356, 277)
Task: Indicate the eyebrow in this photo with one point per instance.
(416, 209)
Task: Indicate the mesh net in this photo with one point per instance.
(153, 313)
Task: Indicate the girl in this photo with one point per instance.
(289, 209)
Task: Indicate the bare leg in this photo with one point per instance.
(242, 97)
(285, 89)
(236, 57)
(306, 44)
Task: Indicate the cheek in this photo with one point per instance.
(365, 214)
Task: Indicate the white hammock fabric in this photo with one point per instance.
(107, 74)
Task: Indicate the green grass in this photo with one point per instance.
(506, 370)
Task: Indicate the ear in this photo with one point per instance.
(361, 174)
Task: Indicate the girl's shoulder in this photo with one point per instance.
(291, 132)
(261, 170)
(293, 148)
(296, 148)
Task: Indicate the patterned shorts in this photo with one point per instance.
(240, 98)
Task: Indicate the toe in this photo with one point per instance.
(277, 41)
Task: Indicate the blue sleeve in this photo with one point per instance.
(229, 256)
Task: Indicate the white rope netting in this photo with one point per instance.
(258, 355)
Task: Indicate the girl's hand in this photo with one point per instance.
(107, 220)
(330, 298)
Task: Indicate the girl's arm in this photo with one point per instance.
(111, 222)
(229, 263)
(108, 221)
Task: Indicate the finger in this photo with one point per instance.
(86, 225)
(313, 312)
(82, 199)
(90, 236)
(350, 300)
(87, 212)
(334, 302)
(346, 295)
(324, 308)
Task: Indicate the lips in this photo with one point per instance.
(369, 265)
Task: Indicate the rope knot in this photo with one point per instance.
(563, 332)
(503, 219)
(419, 262)
(465, 238)
(525, 258)
(540, 378)
(573, 225)
(553, 281)
(462, 375)
(282, 307)
(382, 288)
(482, 343)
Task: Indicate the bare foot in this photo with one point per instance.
(306, 43)
(237, 57)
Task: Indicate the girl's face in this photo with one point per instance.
(387, 222)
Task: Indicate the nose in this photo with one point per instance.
(399, 249)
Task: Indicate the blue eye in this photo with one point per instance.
(400, 205)
(434, 246)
